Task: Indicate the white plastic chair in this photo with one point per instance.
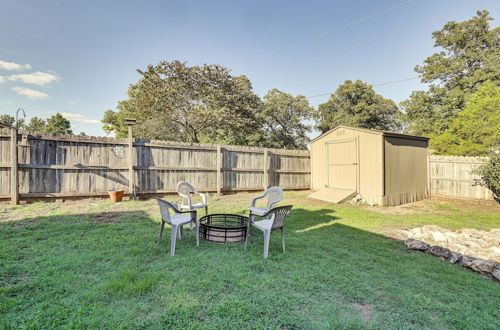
(274, 194)
(176, 220)
(185, 189)
(272, 220)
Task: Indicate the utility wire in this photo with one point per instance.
(362, 43)
(379, 84)
(341, 27)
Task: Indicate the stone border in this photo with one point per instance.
(485, 267)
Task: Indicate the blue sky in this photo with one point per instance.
(78, 57)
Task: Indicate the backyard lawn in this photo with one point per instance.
(93, 264)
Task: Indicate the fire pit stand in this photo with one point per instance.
(223, 228)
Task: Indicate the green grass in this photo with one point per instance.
(97, 265)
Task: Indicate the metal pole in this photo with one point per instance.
(131, 176)
(266, 173)
(219, 172)
(14, 178)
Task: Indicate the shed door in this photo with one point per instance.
(342, 164)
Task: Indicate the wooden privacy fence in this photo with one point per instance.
(38, 166)
(451, 176)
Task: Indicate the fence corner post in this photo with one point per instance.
(265, 180)
(219, 179)
(14, 174)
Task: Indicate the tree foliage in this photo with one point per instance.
(7, 119)
(11, 121)
(490, 174)
(469, 56)
(283, 117)
(475, 131)
(172, 101)
(57, 124)
(36, 124)
(357, 104)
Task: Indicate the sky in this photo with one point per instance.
(79, 57)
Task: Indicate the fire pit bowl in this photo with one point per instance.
(223, 228)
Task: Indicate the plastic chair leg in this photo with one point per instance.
(161, 231)
(267, 236)
(173, 236)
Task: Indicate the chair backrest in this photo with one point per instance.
(184, 189)
(165, 208)
(278, 214)
(275, 195)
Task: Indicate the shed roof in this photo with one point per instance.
(374, 131)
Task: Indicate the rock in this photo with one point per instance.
(416, 245)
(496, 273)
(438, 236)
(465, 261)
(477, 244)
(454, 257)
(439, 251)
(482, 266)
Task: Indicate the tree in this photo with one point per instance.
(475, 131)
(172, 101)
(11, 121)
(283, 117)
(7, 119)
(490, 174)
(357, 104)
(470, 55)
(57, 124)
(36, 124)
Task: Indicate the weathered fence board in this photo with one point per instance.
(451, 176)
(69, 166)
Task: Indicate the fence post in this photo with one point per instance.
(266, 172)
(131, 177)
(14, 178)
(219, 171)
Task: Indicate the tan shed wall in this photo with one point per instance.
(406, 171)
(370, 162)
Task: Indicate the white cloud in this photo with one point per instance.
(79, 118)
(2, 79)
(14, 66)
(36, 78)
(30, 93)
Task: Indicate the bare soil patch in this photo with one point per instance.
(439, 206)
(366, 310)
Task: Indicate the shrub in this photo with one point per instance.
(490, 174)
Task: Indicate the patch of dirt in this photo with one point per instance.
(366, 310)
(106, 217)
(439, 206)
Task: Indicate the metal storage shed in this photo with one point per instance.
(383, 168)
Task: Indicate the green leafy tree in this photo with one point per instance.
(172, 101)
(357, 104)
(475, 131)
(11, 121)
(36, 124)
(57, 124)
(469, 56)
(490, 174)
(283, 117)
(7, 119)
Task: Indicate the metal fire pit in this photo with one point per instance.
(223, 228)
